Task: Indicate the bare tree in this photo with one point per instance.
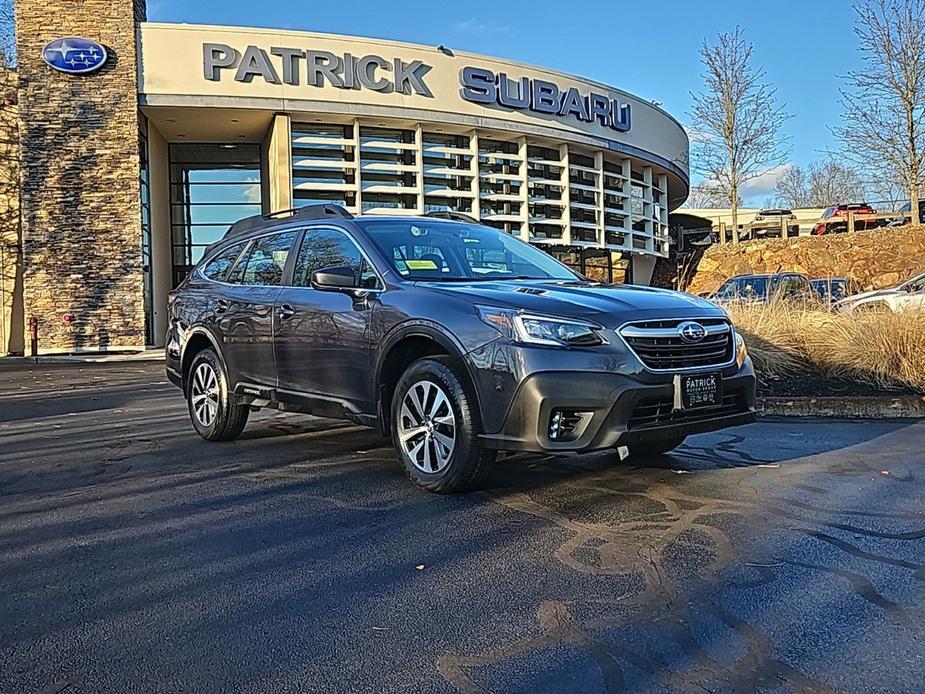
(705, 195)
(820, 184)
(7, 34)
(736, 118)
(884, 102)
(791, 189)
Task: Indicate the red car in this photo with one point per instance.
(829, 225)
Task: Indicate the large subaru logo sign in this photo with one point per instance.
(691, 331)
(482, 86)
(74, 55)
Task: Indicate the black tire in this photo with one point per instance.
(468, 462)
(227, 419)
(659, 447)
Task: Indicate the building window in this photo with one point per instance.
(211, 187)
(388, 169)
(448, 172)
(324, 164)
(553, 194)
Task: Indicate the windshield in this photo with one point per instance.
(433, 250)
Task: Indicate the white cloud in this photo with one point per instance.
(480, 26)
(763, 185)
(695, 135)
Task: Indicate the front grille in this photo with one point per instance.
(659, 345)
(653, 413)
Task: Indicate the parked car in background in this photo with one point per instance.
(790, 286)
(453, 338)
(908, 295)
(834, 289)
(908, 219)
(835, 218)
(770, 222)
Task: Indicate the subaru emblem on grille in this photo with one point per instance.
(691, 331)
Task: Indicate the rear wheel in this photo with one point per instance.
(435, 427)
(214, 415)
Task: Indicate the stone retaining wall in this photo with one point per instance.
(875, 259)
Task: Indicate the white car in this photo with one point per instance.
(903, 297)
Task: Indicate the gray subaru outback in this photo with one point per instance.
(453, 338)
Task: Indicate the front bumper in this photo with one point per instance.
(617, 409)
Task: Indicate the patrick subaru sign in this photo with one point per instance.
(319, 68)
(74, 55)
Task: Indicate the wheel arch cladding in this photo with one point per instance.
(401, 350)
(197, 342)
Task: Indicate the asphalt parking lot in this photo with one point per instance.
(135, 557)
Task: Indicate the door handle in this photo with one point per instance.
(285, 311)
(221, 305)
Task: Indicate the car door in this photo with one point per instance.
(245, 309)
(322, 336)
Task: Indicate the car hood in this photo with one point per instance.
(608, 305)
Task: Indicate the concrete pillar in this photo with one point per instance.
(277, 165)
(161, 247)
(79, 178)
(643, 267)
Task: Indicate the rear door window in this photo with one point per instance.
(265, 260)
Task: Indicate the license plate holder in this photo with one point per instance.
(700, 390)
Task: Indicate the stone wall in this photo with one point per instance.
(81, 227)
(875, 259)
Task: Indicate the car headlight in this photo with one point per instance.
(741, 349)
(541, 330)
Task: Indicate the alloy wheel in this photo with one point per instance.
(204, 394)
(427, 427)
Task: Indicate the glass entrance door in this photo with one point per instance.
(211, 187)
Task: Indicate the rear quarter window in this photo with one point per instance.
(217, 268)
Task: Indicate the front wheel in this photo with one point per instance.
(435, 425)
(214, 415)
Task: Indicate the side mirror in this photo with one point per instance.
(338, 277)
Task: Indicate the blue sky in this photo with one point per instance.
(647, 48)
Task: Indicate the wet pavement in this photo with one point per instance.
(784, 556)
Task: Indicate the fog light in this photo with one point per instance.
(565, 425)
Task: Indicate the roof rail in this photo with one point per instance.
(453, 216)
(296, 213)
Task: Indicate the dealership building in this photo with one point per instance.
(130, 146)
